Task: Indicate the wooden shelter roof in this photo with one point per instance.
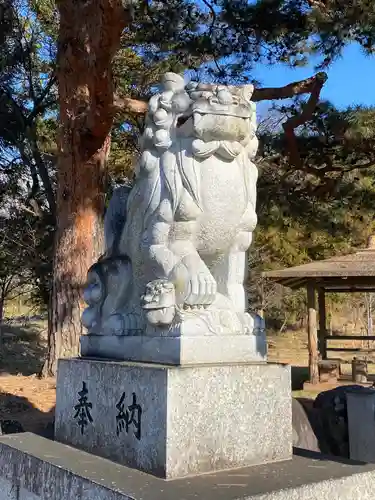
(353, 272)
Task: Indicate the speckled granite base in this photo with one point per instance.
(193, 420)
(183, 350)
(33, 468)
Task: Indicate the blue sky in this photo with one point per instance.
(351, 79)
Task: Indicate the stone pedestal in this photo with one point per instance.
(182, 350)
(176, 421)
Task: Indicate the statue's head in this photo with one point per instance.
(203, 120)
(202, 111)
(222, 112)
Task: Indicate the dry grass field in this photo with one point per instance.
(31, 401)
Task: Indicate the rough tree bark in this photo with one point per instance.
(89, 36)
(5, 289)
(1, 321)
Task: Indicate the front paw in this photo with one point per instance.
(202, 288)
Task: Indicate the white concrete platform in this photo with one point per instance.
(33, 468)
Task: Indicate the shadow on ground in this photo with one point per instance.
(22, 411)
(325, 457)
(22, 351)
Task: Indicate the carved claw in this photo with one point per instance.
(202, 289)
(189, 308)
(132, 323)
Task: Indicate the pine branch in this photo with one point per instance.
(128, 105)
(307, 86)
(318, 5)
(213, 17)
(41, 103)
(314, 88)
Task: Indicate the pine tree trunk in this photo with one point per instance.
(79, 242)
(89, 36)
(2, 304)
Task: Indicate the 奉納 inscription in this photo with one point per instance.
(83, 409)
(130, 416)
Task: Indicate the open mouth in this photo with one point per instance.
(181, 120)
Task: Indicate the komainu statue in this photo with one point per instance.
(176, 241)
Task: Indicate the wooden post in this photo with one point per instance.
(312, 335)
(260, 311)
(322, 323)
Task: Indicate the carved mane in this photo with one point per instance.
(161, 160)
